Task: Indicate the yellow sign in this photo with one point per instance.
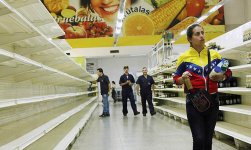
(97, 18)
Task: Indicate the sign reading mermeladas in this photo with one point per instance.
(97, 18)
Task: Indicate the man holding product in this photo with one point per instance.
(126, 82)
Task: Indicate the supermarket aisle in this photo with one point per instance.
(136, 133)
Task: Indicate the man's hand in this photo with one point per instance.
(129, 82)
(138, 93)
(217, 77)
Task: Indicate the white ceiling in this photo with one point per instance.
(124, 51)
(105, 51)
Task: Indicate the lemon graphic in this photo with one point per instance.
(138, 24)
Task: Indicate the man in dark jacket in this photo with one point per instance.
(127, 81)
(105, 88)
(146, 85)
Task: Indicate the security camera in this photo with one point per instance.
(169, 45)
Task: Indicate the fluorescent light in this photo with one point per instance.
(119, 23)
(120, 16)
(118, 30)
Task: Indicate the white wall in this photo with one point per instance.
(113, 67)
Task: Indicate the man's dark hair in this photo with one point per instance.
(100, 70)
(126, 67)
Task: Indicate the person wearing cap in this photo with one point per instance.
(126, 82)
(105, 88)
(145, 83)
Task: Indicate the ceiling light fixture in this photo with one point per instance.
(119, 21)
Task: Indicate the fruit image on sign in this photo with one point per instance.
(164, 15)
(141, 17)
(142, 25)
(55, 6)
(96, 29)
(195, 7)
(75, 32)
(68, 12)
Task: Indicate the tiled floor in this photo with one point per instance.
(136, 133)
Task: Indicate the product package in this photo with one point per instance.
(221, 68)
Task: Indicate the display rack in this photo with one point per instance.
(236, 121)
(41, 88)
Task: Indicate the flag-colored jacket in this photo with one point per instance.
(197, 64)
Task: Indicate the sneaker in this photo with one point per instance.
(144, 114)
(107, 115)
(135, 114)
(154, 113)
(103, 115)
(124, 115)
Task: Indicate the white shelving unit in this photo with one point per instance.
(168, 70)
(37, 133)
(163, 70)
(40, 86)
(168, 80)
(21, 31)
(242, 68)
(244, 47)
(241, 109)
(170, 89)
(13, 102)
(238, 108)
(179, 100)
(172, 112)
(235, 131)
(231, 126)
(235, 90)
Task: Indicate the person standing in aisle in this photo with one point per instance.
(105, 88)
(193, 65)
(146, 85)
(114, 92)
(127, 81)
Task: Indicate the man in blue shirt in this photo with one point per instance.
(146, 85)
(127, 81)
(105, 88)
